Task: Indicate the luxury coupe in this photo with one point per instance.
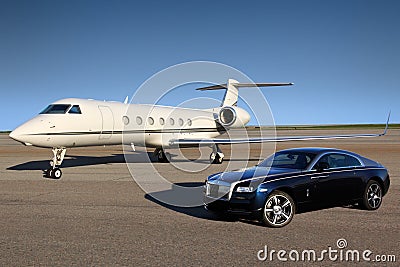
(292, 179)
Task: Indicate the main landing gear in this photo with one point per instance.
(162, 156)
(58, 157)
(216, 157)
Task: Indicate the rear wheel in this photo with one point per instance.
(163, 157)
(278, 210)
(215, 158)
(372, 198)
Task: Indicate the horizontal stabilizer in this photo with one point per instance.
(225, 86)
(232, 90)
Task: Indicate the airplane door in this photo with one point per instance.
(107, 122)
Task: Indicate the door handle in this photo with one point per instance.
(318, 177)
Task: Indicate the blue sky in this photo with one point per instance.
(343, 56)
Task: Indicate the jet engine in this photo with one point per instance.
(233, 117)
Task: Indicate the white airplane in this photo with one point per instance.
(75, 122)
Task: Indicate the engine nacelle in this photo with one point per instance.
(233, 117)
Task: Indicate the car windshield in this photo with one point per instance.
(56, 109)
(289, 160)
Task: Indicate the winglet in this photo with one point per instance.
(387, 124)
(126, 100)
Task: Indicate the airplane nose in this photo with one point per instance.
(18, 135)
(13, 135)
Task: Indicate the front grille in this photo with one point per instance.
(217, 191)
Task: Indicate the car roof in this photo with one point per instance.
(317, 150)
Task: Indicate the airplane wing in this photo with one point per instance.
(224, 141)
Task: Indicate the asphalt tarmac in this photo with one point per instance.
(96, 215)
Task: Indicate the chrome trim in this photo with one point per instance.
(224, 184)
(262, 190)
(321, 176)
(296, 176)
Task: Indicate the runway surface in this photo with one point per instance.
(96, 215)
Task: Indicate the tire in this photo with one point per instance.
(49, 173)
(57, 173)
(279, 209)
(215, 158)
(212, 157)
(164, 157)
(372, 198)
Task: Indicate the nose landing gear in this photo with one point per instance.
(58, 157)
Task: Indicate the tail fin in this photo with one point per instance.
(231, 94)
(232, 90)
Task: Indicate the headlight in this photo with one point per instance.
(242, 189)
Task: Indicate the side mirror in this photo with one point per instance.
(321, 166)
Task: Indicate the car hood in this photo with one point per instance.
(244, 174)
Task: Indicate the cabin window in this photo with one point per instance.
(171, 121)
(125, 120)
(56, 109)
(162, 121)
(189, 122)
(139, 120)
(150, 120)
(181, 122)
(75, 110)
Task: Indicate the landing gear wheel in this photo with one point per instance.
(49, 173)
(163, 157)
(372, 198)
(56, 173)
(215, 158)
(278, 210)
(58, 157)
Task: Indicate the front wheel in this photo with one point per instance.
(56, 173)
(372, 198)
(278, 210)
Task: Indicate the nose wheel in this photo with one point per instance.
(55, 173)
(58, 157)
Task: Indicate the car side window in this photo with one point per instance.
(352, 161)
(338, 161)
(324, 160)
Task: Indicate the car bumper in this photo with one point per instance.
(244, 204)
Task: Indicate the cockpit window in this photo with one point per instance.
(56, 109)
(75, 110)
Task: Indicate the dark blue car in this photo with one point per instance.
(293, 179)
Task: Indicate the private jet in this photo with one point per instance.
(75, 122)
